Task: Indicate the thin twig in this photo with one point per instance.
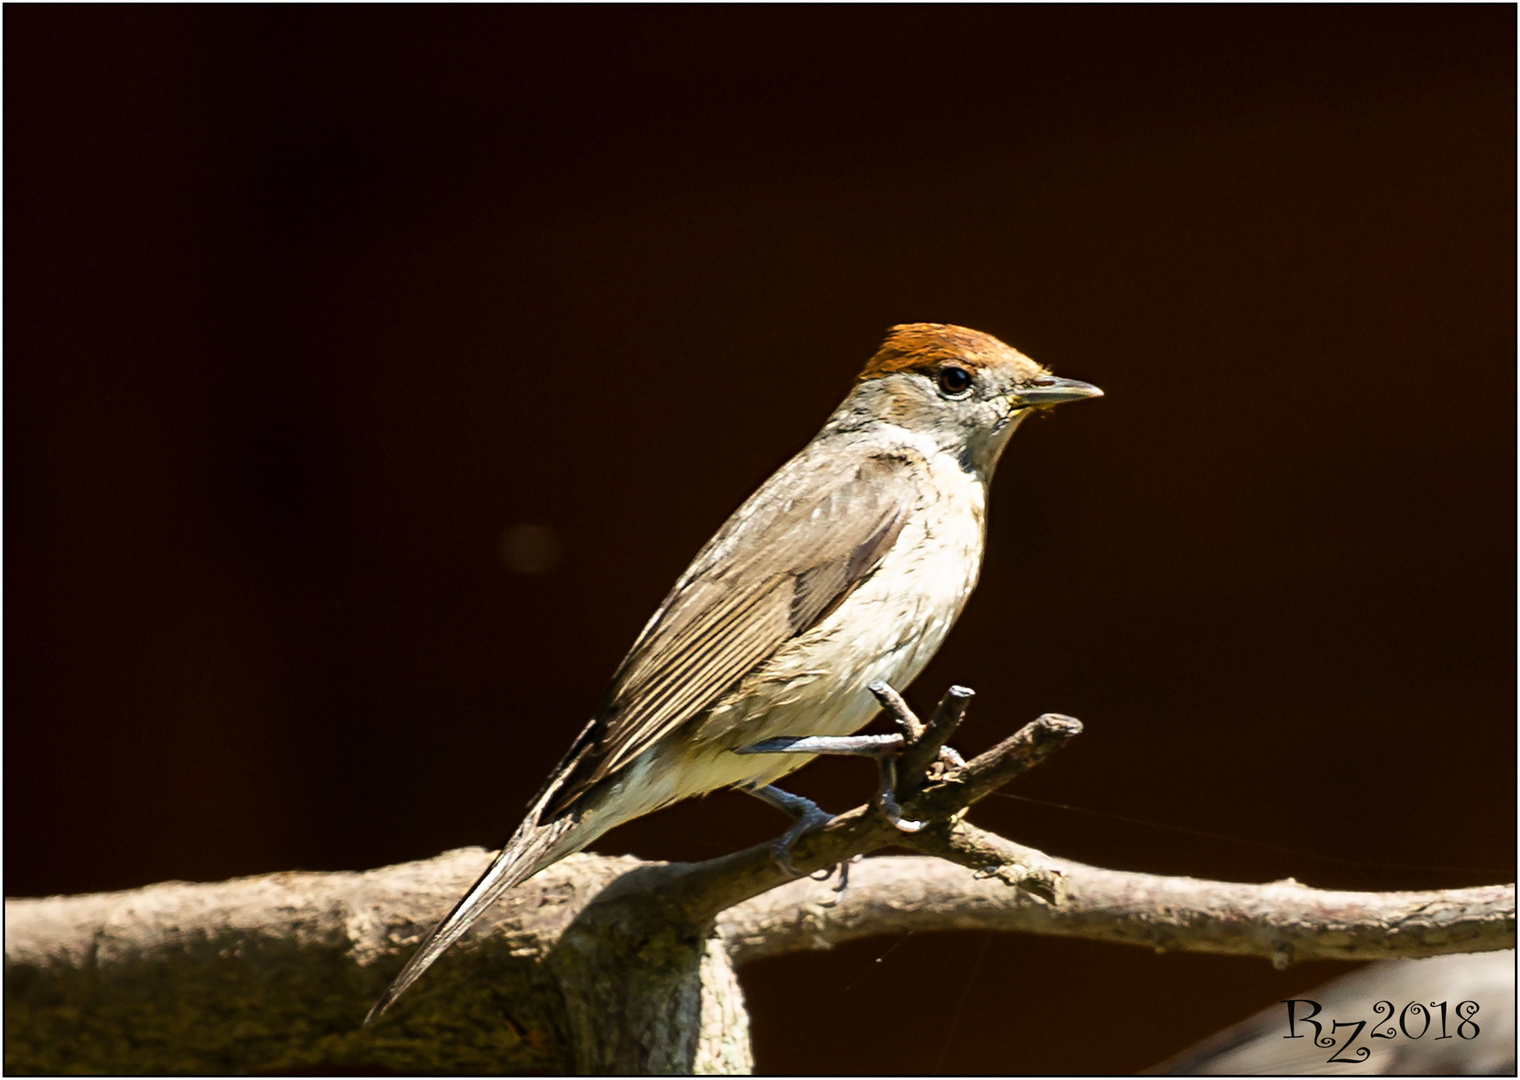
(924, 750)
(906, 719)
(987, 772)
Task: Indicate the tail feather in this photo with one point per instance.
(531, 848)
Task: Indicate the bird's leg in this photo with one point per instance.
(884, 748)
(859, 745)
(809, 815)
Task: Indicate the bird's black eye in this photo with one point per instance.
(954, 381)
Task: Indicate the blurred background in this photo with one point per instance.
(372, 373)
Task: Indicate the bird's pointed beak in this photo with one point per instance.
(1049, 390)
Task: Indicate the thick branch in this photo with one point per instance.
(380, 912)
(375, 913)
(613, 965)
(306, 953)
(1280, 921)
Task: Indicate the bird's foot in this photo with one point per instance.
(810, 817)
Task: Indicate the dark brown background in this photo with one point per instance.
(307, 308)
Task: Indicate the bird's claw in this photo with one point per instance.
(810, 819)
(844, 872)
(894, 814)
(885, 798)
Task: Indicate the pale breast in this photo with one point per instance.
(887, 628)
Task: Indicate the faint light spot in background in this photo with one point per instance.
(529, 549)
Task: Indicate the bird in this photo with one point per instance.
(847, 567)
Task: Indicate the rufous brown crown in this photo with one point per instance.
(927, 346)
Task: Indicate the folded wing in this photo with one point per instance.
(779, 566)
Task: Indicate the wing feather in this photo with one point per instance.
(778, 567)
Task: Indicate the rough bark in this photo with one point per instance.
(590, 968)
(604, 965)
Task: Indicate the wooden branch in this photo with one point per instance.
(1026, 748)
(274, 973)
(613, 965)
(305, 954)
(380, 913)
(1282, 922)
(907, 721)
(376, 913)
(925, 746)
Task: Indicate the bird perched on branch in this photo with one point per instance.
(847, 567)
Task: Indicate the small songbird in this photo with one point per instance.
(848, 566)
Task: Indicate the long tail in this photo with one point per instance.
(531, 848)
